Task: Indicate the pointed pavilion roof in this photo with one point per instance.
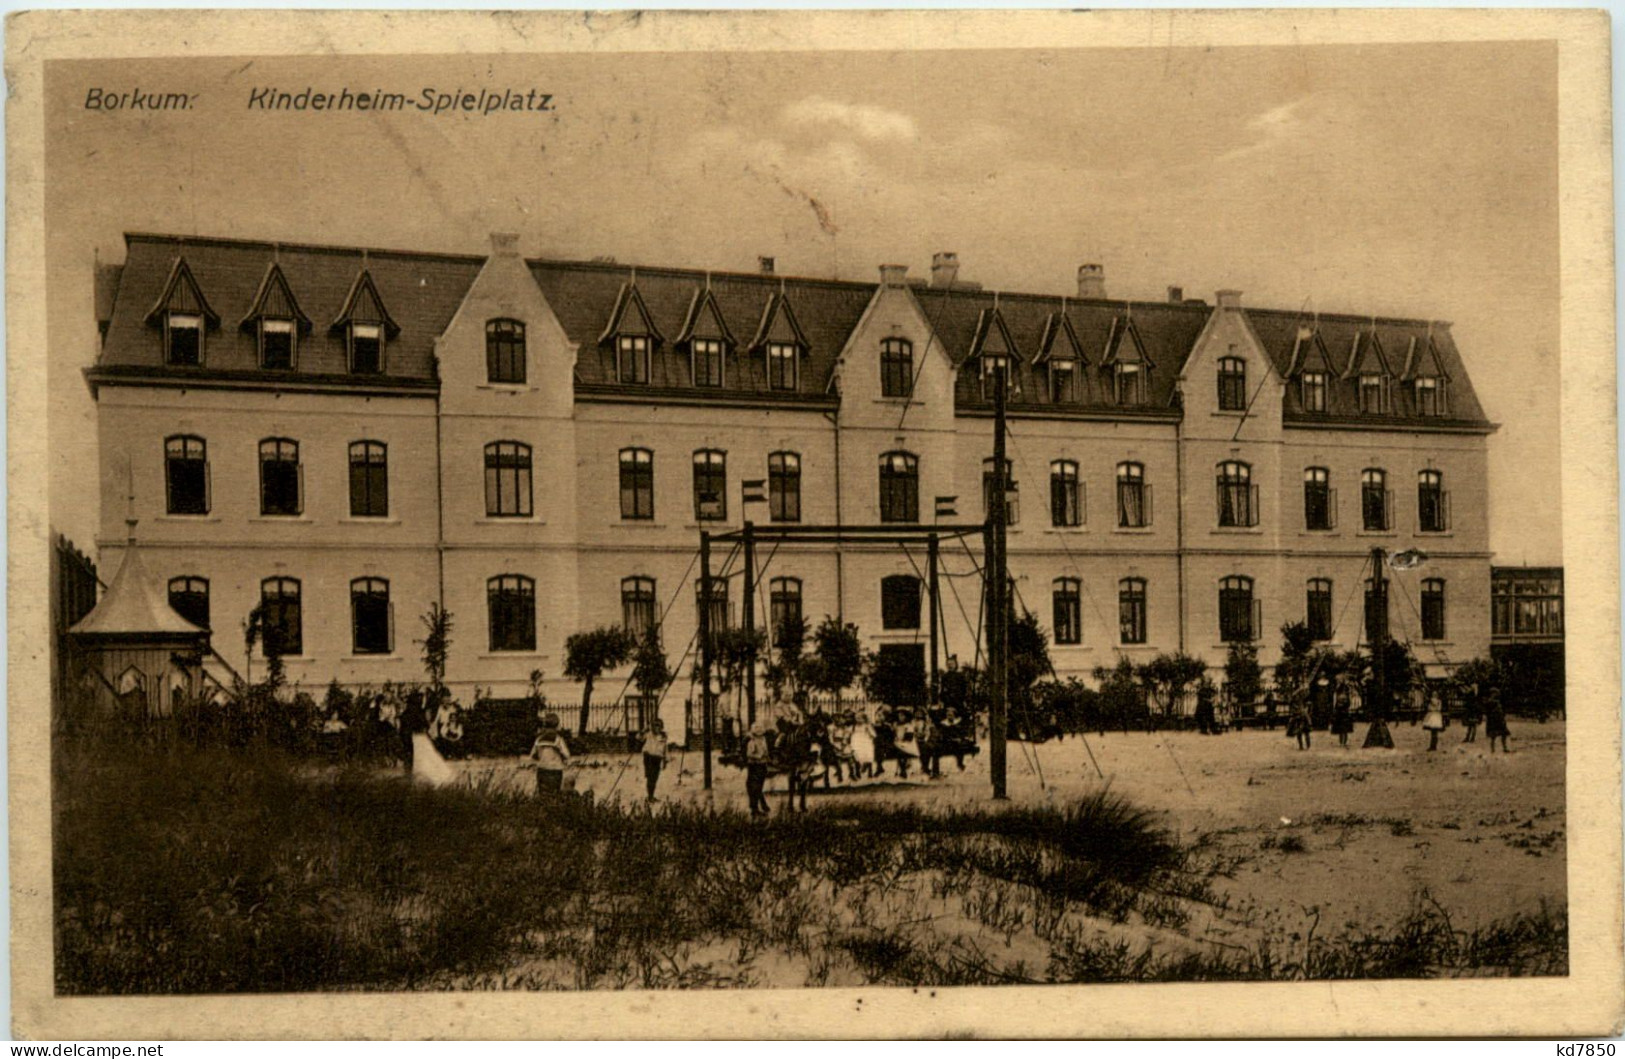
(133, 607)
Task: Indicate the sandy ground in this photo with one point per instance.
(1357, 836)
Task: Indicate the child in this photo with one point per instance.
(1471, 715)
(1342, 715)
(1495, 720)
(551, 755)
(654, 754)
(756, 758)
(1298, 726)
(1433, 721)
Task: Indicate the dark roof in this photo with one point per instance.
(585, 296)
(1167, 331)
(1403, 343)
(421, 292)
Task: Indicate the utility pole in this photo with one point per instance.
(931, 560)
(705, 651)
(998, 594)
(1379, 633)
(749, 612)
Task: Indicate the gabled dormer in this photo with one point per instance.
(1126, 364)
(276, 321)
(992, 349)
(706, 339)
(1369, 370)
(781, 341)
(1062, 359)
(1426, 377)
(632, 334)
(1311, 370)
(184, 316)
(366, 325)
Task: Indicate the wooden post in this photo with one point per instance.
(749, 614)
(931, 560)
(998, 596)
(705, 652)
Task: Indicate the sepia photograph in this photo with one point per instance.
(837, 505)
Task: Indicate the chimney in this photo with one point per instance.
(504, 244)
(1228, 299)
(1176, 295)
(893, 275)
(944, 268)
(764, 265)
(1091, 281)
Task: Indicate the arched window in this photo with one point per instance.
(899, 487)
(896, 367)
(1319, 509)
(784, 602)
(369, 479)
(784, 487)
(1232, 384)
(720, 611)
(1068, 610)
(1065, 494)
(900, 602)
(507, 479)
(1012, 508)
(280, 477)
(372, 625)
(1433, 608)
(505, 351)
(637, 484)
(1131, 610)
(638, 614)
(710, 485)
(186, 475)
(1375, 503)
(1432, 502)
(1318, 615)
(281, 617)
(1238, 497)
(189, 597)
(1237, 620)
(1376, 609)
(511, 611)
(1133, 496)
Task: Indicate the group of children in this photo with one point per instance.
(1492, 714)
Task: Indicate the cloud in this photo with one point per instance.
(866, 121)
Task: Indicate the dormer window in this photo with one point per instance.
(781, 366)
(1128, 384)
(276, 344)
(183, 339)
(632, 359)
(505, 351)
(1063, 382)
(707, 354)
(1232, 384)
(366, 349)
(1371, 394)
(1429, 396)
(993, 365)
(1312, 388)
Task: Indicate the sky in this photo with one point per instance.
(1396, 180)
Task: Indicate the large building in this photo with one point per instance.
(349, 435)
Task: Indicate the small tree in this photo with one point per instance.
(784, 671)
(1243, 677)
(1168, 678)
(893, 678)
(1298, 660)
(837, 659)
(1122, 696)
(436, 644)
(1398, 671)
(1029, 659)
(588, 654)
